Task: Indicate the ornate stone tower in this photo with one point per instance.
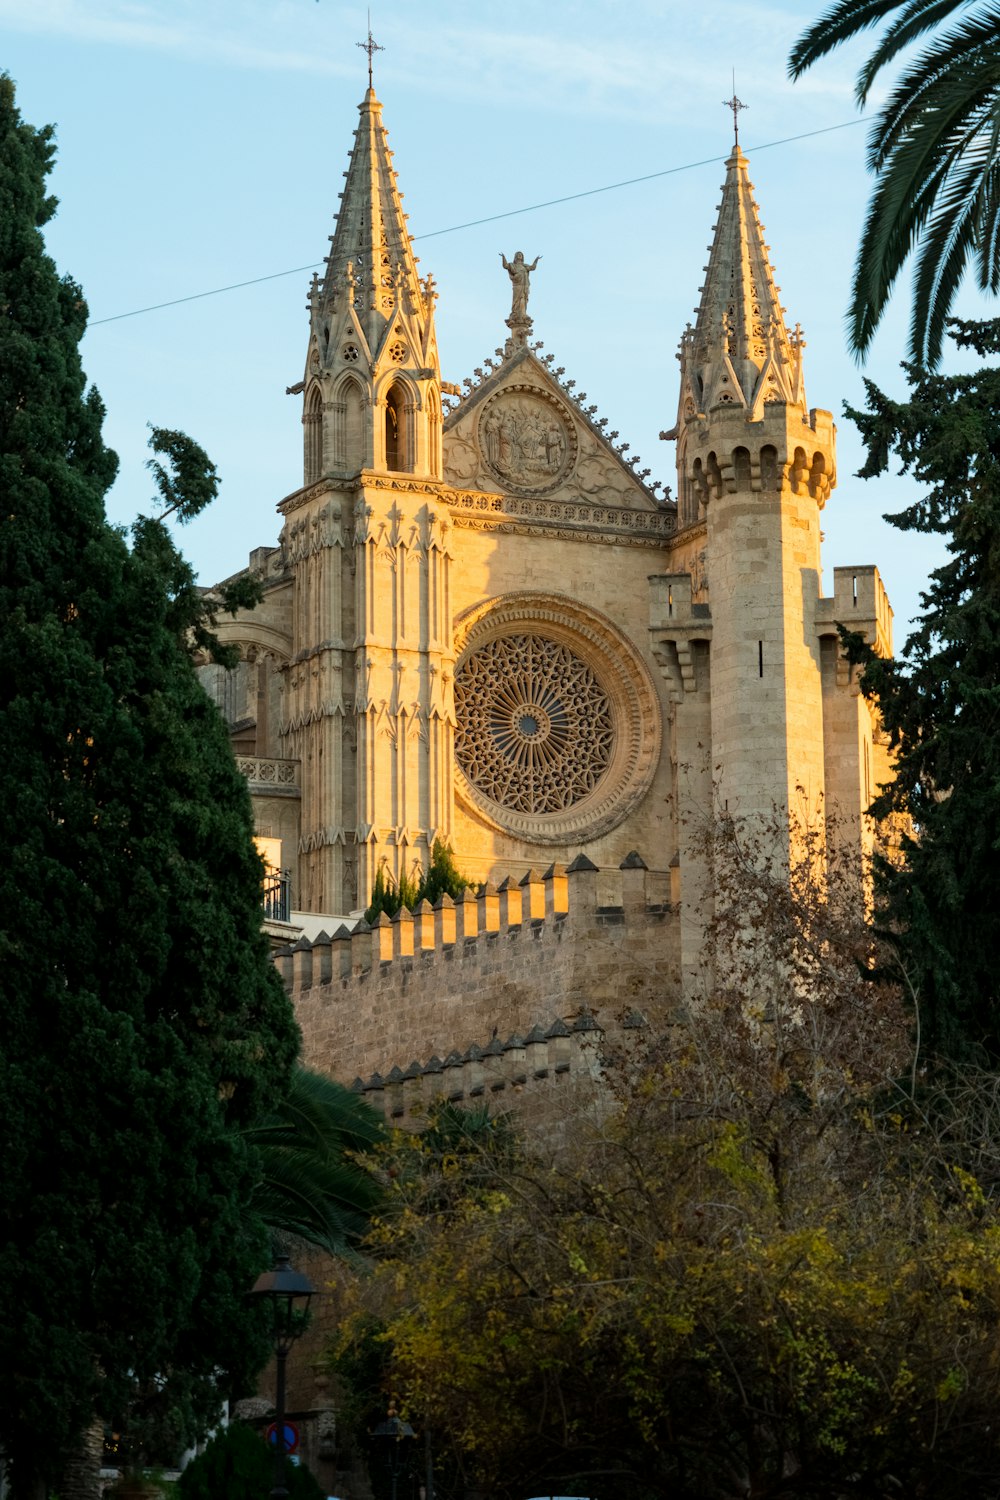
(372, 385)
(756, 466)
(368, 702)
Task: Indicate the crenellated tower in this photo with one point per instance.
(368, 706)
(755, 467)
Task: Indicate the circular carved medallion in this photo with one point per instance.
(527, 440)
(557, 720)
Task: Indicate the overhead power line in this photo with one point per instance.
(510, 213)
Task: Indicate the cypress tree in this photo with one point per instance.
(940, 704)
(143, 1025)
(442, 878)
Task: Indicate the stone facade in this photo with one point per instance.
(483, 624)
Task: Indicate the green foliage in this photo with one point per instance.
(144, 1026)
(940, 703)
(313, 1184)
(460, 1153)
(441, 879)
(188, 481)
(736, 1282)
(390, 895)
(935, 150)
(236, 1465)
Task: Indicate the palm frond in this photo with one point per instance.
(961, 68)
(918, 16)
(988, 249)
(953, 234)
(841, 22)
(934, 148)
(311, 1184)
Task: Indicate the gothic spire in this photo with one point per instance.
(739, 350)
(371, 265)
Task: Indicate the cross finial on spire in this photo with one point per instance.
(735, 105)
(371, 46)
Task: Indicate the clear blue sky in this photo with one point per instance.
(201, 142)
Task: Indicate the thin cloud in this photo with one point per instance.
(144, 27)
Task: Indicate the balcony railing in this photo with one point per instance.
(269, 776)
(275, 896)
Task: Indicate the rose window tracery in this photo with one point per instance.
(536, 730)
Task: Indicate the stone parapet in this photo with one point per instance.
(502, 1074)
(861, 603)
(573, 942)
(268, 776)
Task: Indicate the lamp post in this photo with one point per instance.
(391, 1434)
(287, 1292)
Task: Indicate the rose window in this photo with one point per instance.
(351, 353)
(535, 729)
(397, 352)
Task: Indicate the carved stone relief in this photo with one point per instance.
(527, 440)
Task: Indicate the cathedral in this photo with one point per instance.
(482, 626)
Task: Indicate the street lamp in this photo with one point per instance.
(288, 1293)
(391, 1434)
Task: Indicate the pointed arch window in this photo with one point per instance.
(312, 423)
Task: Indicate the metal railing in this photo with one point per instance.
(275, 896)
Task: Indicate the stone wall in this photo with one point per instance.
(404, 1001)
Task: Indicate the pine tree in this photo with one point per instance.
(940, 703)
(144, 1026)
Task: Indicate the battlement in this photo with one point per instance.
(860, 601)
(576, 941)
(531, 1073)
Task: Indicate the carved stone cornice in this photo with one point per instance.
(480, 510)
(326, 838)
(571, 519)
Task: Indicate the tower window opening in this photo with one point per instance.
(396, 457)
(312, 422)
(854, 587)
(760, 658)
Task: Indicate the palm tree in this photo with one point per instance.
(312, 1186)
(935, 150)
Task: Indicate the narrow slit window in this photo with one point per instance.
(760, 658)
